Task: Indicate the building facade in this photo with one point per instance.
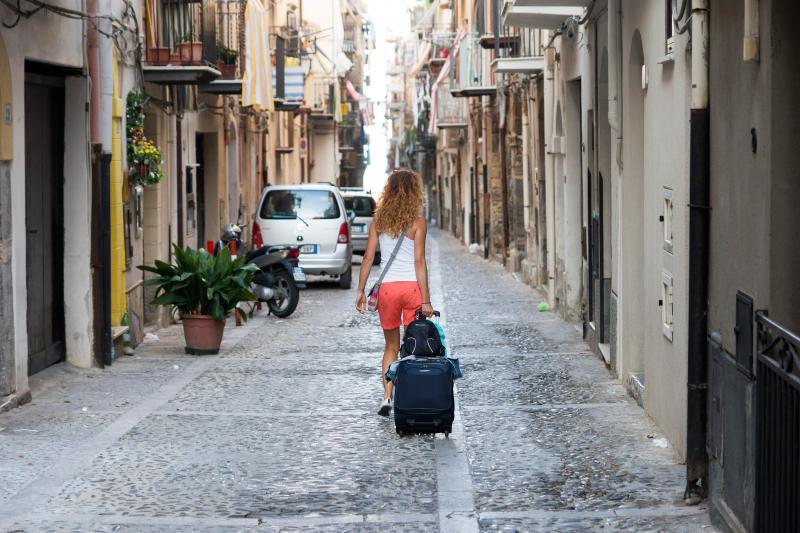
(113, 150)
(608, 151)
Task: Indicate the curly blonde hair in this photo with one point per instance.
(400, 203)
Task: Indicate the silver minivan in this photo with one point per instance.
(360, 206)
(313, 217)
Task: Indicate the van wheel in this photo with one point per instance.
(346, 279)
(377, 259)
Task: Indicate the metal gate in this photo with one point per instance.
(44, 176)
(777, 427)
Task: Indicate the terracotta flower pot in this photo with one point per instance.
(158, 55)
(203, 334)
(162, 55)
(191, 53)
(228, 71)
(174, 58)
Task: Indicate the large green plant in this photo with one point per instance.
(200, 283)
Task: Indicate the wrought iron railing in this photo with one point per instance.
(230, 37)
(473, 70)
(299, 42)
(180, 32)
(451, 112)
(349, 37)
(322, 99)
(777, 426)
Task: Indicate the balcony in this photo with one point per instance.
(298, 42)
(322, 100)
(541, 14)
(180, 42)
(230, 48)
(527, 57)
(473, 77)
(451, 112)
(349, 38)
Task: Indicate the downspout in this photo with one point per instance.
(526, 188)
(550, 194)
(99, 55)
(699, 211)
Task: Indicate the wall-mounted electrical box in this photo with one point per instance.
(666, 218)
(667, 305)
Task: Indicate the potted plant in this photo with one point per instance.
(144, 157)
(226, 61)
(158, 55)
(190, 50)
(204, 288)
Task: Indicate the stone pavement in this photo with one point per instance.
(279, 432)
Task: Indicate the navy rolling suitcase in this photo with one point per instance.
(423, 396)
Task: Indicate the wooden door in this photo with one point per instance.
(44, 177)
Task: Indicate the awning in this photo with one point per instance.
(257, 79)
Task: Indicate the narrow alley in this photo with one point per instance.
(279, 432)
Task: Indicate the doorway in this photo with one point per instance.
(44, 179)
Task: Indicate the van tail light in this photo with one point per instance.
(293, 253)
(258, 240)
(344, 233)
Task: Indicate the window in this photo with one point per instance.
(667, 306)
(362, 206)
(306, 204)
(666, 218)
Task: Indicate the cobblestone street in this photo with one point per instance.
(279, 432)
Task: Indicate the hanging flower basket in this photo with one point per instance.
(144, 157)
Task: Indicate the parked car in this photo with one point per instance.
(312, 216)
(362, 207)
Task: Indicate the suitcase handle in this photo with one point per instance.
(418, 314)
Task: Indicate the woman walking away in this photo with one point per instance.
(399, 227)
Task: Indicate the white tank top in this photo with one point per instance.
(402, 268)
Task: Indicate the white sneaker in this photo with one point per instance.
(386, 407)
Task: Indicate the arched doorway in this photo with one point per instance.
(632, 220)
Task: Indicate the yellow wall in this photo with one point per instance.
(6, 133)
(118, 302)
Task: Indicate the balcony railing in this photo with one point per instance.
(180, 41)
(523, 51)
(322, 100)
(451, 112)
(298, 42)
(349, 38)
(230, 38)
(473, 75)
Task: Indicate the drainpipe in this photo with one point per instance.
(99, 57)
(526, 188)
(549, 186)
(699, 210)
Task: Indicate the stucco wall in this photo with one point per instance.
(63, 46)
(666, 163)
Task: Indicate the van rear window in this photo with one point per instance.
(362, 206)
(307, 204)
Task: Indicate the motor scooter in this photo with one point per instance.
(280, 277)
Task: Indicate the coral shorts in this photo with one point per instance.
(397, 302)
